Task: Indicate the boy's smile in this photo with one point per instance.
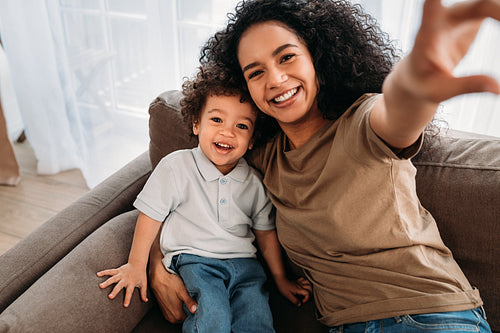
(225, 130)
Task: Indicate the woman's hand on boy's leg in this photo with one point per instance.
(125, 277)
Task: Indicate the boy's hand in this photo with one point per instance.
(296, 292)
(128, 277)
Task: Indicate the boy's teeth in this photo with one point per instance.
(222, 145)
(285, 96)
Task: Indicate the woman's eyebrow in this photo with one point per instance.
(275, 52)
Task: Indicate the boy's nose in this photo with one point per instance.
(227, 131)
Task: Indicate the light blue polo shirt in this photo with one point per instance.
(205, 212)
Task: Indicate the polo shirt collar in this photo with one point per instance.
(210, 172)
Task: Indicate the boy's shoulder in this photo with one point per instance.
(178, 157)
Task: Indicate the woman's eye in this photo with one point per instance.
(287, 57)
(242, 126)
(216, 120)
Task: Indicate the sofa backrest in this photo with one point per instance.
(458, 181)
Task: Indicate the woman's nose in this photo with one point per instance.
(276, 77)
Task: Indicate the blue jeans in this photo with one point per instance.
(460, 321)
(229, 292)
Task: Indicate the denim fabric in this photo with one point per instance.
(460, 321)
(230, 294)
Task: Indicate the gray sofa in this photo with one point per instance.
(48, 281)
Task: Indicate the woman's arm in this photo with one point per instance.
(168, 288)
(419, 82)
(296, 292)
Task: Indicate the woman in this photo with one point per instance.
(337, 166)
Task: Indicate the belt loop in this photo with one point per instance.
(483, 313)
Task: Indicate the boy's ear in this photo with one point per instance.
(195, 127)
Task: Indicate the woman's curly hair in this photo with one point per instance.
(211, 80)
(351, 55)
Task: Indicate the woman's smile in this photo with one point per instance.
(281, 77)
(285, 96)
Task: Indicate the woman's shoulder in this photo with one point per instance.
(362, 104)
(259, 156)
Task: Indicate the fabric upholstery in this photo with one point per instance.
(38, 252)
(167, 129)
(67, 304)
(458, 181)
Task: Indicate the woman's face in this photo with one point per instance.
(279, 72)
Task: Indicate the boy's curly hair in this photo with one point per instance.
(351, 55)
(211, 80)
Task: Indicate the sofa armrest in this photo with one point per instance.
(22, 265)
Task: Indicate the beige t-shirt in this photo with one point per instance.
(349, 216)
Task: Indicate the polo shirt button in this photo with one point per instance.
(223, 181)
(223, 201)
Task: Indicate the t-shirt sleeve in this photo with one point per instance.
(264, 212)
(362, 142)
(160, 193)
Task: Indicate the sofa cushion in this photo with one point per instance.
(458, 181)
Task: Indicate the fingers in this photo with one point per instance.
(124, 278)
(478, 9)
(116, 290)
(170, 294)
(144, 293)
(190, 303)
(447, 88)
(108, 282)
(128, 296)
(304, 283)
(107, 272)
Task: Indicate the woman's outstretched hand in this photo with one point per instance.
(443, 40)
(424, 78)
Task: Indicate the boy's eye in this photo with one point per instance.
(242, 126)
(254, 74)
(216, 119)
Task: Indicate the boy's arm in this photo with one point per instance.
(297, 292)
(133, 274)
(423, 79)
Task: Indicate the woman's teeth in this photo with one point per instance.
(286, 96)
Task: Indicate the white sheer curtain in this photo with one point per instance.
(85, 71)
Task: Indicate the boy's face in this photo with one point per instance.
(225, 130)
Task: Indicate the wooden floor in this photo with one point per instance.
(35, 199)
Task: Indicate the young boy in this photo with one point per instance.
(209, 201)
